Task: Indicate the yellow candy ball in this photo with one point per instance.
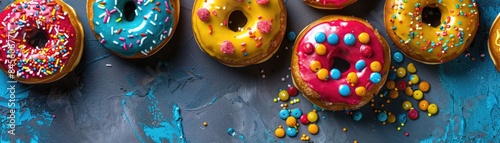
(418, 94)
(283, 95)
(409, 91)
(401, 72)
(414, 79)
(375, 66)
(393, 94)
(423, 105)
(320, 49)
(322, 74)
(407, 105)
(312, 117)
(352, 78)
(291, 121)
(411, 68)
(360, 91)
(313, 129)
(432, 109)
(364, 38)
(390, 84)
(279, 132)
(315, 66)
(424, 86)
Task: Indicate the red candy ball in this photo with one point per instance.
(303, 119)
(413, 114)
(401, 85)
(292, 91)
(366, 50)
(308, 48)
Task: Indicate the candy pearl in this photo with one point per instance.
(315, 66)
(312, 116)
(335, 74)
(283, 95)
(411, 68)
(391, 118)
(393, 94)
(366, 50)
(291, 132)
(382, 116)
(401, 72)
(308, 48)
(360, 65)
(401, 85)
(375, 77)
(432, 109)
(284, 114)
(407, 105)
(390, 84)
(423, 105)
(322, 74)
(313, 129)
(424, 86)
(291, 121)
(344, 90)
(291, 36)
(360, 91)
(375, 66)
(402, 118)
(418, 95)
(352, 78)
(364, 38)
(292, 91)
(296, 113)
(320, 49)
(414, 79)
(279, 132)
(333, 39)
(304, 120)
(413, 114)
(357, 115)
(409, 91)
(349, 39)
(320, 37)
(398, 57)
(392, 75)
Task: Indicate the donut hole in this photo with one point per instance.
(341, 64)
(129, 11)
(39, 39)
(431, 15)
(237, 20)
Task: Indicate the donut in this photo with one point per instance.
(238, 33)
(494, 43)
(413, 30)
(340, 62)
(133, 28)
(329, 4)
(41, 40)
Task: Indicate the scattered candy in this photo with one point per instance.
(409, 91)
(382, 116)
(292, 91)
(283, 95)
(313, 129)
(413, 114)
(296, 113)
(393, 94)
(398, 57)
(344, 129)
(418, 95)
(291, 36)
(357, 115)
(390, 84)
(423, 105)
(205, 124)
(304, 120)
(291, 121)
(414, 79)
(424, 86)
(304, 137)
(284, 114)
(279, 132)
(402, 118)
(407, 105)
(391, 118)
(291, 132)
(411, 68)
(432, 109)
(401, 72)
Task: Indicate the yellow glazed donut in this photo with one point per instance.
(494, 43)
(239, 32)
(426, 43)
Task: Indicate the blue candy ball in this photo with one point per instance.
(398, 57)
(360, 65)
(284, 114)
(296, 113)
(335, 74)
(320, 37)
(375, 77)
(349, 39)
(333, 39)
(344, 90)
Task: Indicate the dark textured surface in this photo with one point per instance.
(132, 101)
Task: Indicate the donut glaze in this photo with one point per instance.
(427, 44)
(31, 63)
(340, 38)
(253, 43)
(149, 31)
(494, 43)
(329, 4)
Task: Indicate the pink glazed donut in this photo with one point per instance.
(329, 4)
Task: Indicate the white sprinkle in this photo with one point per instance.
(24, 35)
(102, 15)
(50, 29)
(263, 76)
(102, 36)
(142, 40)
(144, 53)
(112, 30)
(282, 79)
(154, 41)
(96, 23)
(116, 2)
(139, 8)
(261, 71)
(115, 42)
(135, 12)
(152, 23)
(170, 31)
(108, 65)
(149, 31)
(66, 35)
(146, 3)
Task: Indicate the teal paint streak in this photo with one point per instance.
(167, 130)
(130, 124)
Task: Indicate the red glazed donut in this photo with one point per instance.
(25, 56)
(340, 62)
